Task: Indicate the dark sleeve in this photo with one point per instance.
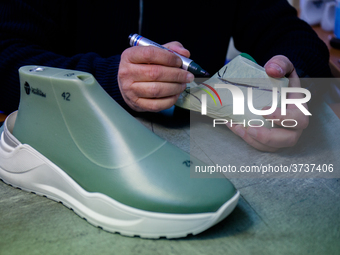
(40, 33)
(271, 27)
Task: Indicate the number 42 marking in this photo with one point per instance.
(66, 96)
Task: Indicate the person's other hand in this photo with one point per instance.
(265, 139)
(150, 78)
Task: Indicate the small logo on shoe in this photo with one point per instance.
(35, 91)
(27, 88)
(187, 163)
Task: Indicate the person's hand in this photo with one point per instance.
(150, 78)
(265, 139)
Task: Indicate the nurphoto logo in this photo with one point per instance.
(239, 99)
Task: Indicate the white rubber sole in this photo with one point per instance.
(23, 167)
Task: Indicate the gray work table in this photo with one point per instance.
(286, 213)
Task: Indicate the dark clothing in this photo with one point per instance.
(90, 36)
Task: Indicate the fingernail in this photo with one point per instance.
(252, 132)
(190, 77)
(240, 131)
(276, 67)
